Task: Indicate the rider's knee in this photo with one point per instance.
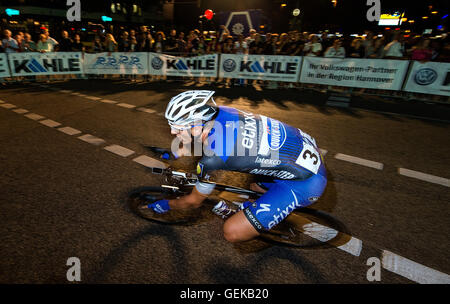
(231, 233)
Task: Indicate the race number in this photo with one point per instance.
(308, 137)
(309, 158)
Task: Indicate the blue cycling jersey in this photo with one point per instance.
(259, 145)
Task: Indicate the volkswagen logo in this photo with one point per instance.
(229, 65)
(425, 76)
(157, 63)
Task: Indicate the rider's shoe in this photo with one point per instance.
(223, 210)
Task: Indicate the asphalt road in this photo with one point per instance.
(63, 197)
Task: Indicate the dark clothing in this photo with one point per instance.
(77, 47)
(124, 45)
(268, 48)
(65, 45)
(98, 47)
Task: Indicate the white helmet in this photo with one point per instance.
(191, 106)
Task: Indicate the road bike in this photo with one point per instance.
(304, 227)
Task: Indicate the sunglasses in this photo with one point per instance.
(182, 128)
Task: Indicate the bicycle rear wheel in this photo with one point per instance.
(309, 229)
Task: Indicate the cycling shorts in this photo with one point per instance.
(283, 197)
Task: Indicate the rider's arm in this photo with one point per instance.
(193, 200)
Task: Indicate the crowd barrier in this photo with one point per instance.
(383, 74)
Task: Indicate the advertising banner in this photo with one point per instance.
(429, 78)
(24, 64)
(116, 63)
(264, 67)
(198, 66)
(4, 70)
(352, 72)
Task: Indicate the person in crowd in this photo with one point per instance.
(9, 44)
(240, 46)
(313, 47)
(201, 45)
(171, 41)
(159, 45)
(110, 43)
(44, 45)
(336, 50)
(368, 44)
(282, 44)
(181, 43)
(228, 47)
(19, 40)
(124, 42)
(257, 45)
(356, 49)
(77, 45)
(28, 44)
(325, 41)
(50, 40)
(422, 50)
(268, 48)
(65, 44)
(97, 46)
(395, 48)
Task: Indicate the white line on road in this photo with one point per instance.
(50, 123)
(8, 106)
(126, 105)
(1, 101)
(92, 139)
(146, 110)
(149, 162)
(108, 101)
(412, 270)
(69, 130)
(34, 116)
(65, 91)
(359, 161)
(20, 111)
(92, 97)
(425, 177)
(119, 150)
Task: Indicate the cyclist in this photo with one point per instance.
(236, 140)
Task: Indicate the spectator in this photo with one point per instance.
(268, 48)
(159, 45)
(9, 44)
(181, 43)
(356, 49)
(50, 40)
(378, 48)
(257, 45)
(240, 46)
(77, 45)
(124, 43)
(44, 45)
(28, 44)
(368, 45)
(171, 41)
(19, 40)
(336, 50)
(66, 43)
(133, 44)
(228, 47)
(97, 47)
(394, 49)
(110, 43)
(313, 47)
(422, 51)
(146, 42)
(325, 41)
(282, 44)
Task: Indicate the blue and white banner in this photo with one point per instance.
(198, 66)
(116, 63)
(24, 64)
(264, 67)
(429, 78)
(357, 73)
(4, 70)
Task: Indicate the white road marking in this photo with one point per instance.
(146, 110)
(92, 97)
(8, 106)
(75, 93)
(149, 162)
(1, 101)
(20, 111)
(412, 270)
(34, 116)
(119, 150)
(126, 105)
(65, 91)
(425, 177)
(82, 95)
(359, 161)
(69, 130)
(108, 101)
(354, 246)
(92, 139)
(50, 123)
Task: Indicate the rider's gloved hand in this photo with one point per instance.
(161, 206)
(168, 155)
